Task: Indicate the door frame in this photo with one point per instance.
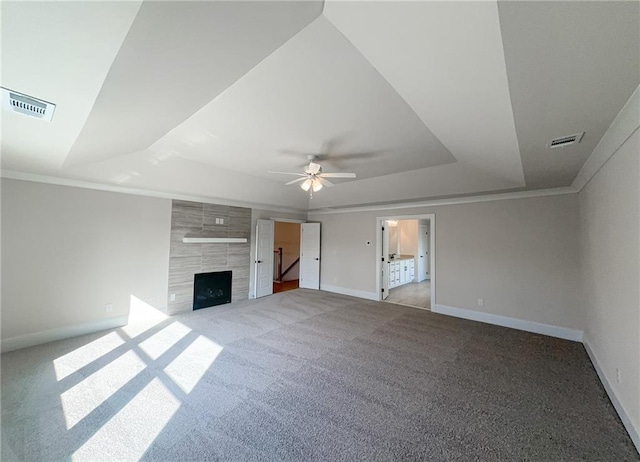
(432, 248)
(254, 292)
(423, 245)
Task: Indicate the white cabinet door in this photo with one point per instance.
(264, 258)
(310, 256)
(394, 274)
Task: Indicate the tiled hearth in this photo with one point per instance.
(185, 260)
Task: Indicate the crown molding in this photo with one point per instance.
(24, 176)
(451, 201)
(625, 124)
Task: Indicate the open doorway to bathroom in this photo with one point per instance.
(407, 260)
(286, 256)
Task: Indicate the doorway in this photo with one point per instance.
(406, 267)
(277, 258)
(286, 256)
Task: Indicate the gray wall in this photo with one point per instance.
(519, 255)
(186, 260)
(610, 263)
(67, 252)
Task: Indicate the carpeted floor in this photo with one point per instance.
(306, 375)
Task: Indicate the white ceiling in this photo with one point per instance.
(419, 99)
(314, 87)
(571, 69)
(58, 52)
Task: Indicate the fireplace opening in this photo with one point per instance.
(211, 289)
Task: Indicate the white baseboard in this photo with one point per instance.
(634, 432)
(353, 293)
(38, 338)
(529, 326)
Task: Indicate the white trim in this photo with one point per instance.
(449, 201)
(14, 175)
(214, 240)
(625, 124)
(432, 249)
(634, 433)
(61, 333)
(286, 220)
(520, 324)
(351, 292)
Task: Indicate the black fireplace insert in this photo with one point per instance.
(211, 289)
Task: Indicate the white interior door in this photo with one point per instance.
(385, 264)
(310, 256)
(423, 253)
(264, 258)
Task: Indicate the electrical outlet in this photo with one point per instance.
(480, 302)
(618, 377)
(172, 297)
(108, 308)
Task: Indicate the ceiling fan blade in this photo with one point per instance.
(297, 180)
(313, 168)
(324, 182)
(288, 173)
(337, 175)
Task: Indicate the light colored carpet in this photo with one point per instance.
(306, 375)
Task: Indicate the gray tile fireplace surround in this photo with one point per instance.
(185, 260)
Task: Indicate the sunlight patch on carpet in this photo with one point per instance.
(131, 431)
(80, 400)
(160, 342)
(189, 367)
(77, 359)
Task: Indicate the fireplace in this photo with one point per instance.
(211, 289)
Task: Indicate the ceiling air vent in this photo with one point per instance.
(564, 141)
(27, 105)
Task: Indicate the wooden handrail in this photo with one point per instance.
(289, 268)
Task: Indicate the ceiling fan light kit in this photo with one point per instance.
(313, 179)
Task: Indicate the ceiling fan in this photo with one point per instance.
(313, 179)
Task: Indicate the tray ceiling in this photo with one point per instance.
(420, 99)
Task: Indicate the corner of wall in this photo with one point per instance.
(607, 187)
